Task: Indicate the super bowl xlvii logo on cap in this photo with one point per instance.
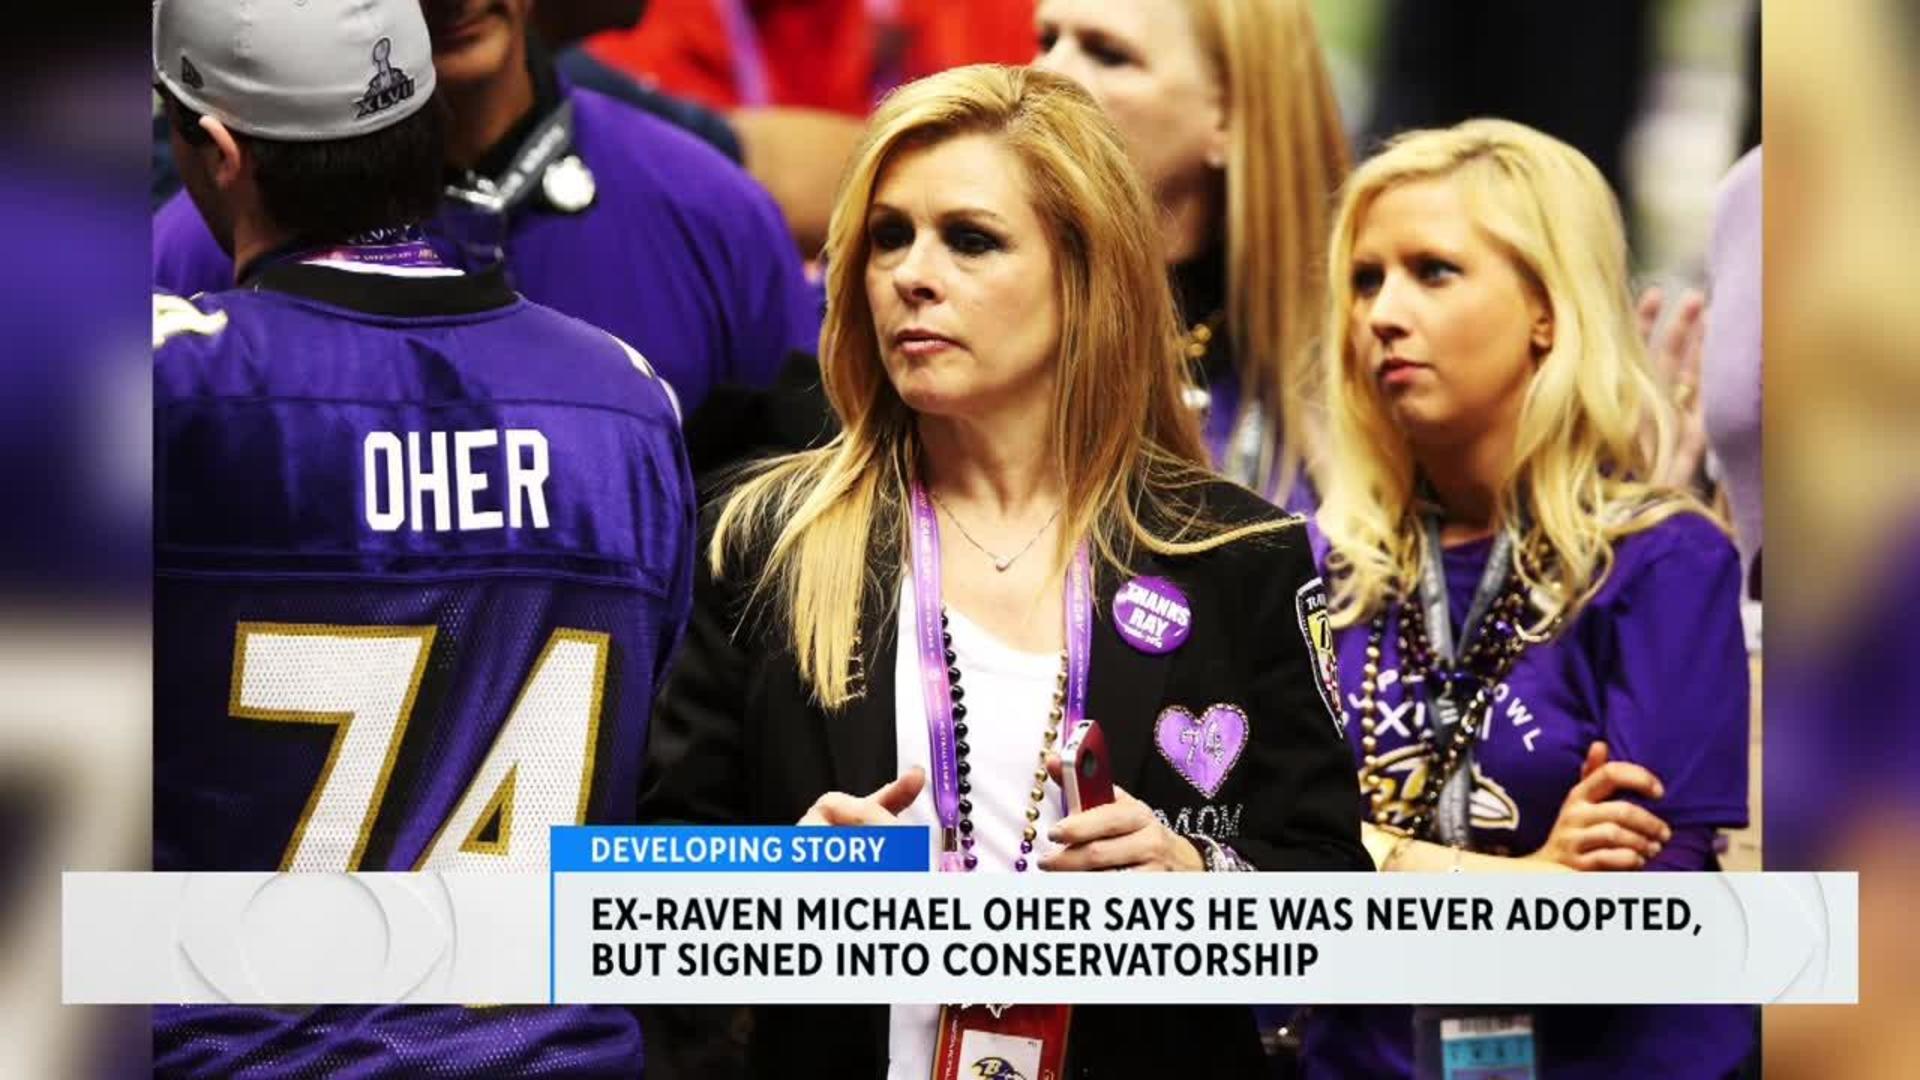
(389, 86)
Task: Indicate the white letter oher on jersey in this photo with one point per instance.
(396, 477)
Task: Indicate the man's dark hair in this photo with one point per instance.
(328, 191)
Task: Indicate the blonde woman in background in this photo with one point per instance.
(1541, 652)
(1015, 471)
(1226, 107)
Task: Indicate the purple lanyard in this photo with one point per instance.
(937, 689)
(749, 66)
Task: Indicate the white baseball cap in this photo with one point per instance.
(295, 70)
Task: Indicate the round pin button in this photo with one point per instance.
(1152, 615)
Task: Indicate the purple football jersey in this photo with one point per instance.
(681, 254)
(1656, 666)
(422, 553)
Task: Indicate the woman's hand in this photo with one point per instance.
(883, 807)
(1122, 835)
(1676, 357)
(1595, 833)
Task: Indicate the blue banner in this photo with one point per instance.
(740, 849)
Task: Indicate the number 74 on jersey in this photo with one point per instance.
(364, 680)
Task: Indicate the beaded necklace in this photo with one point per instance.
(939, 673)
(1035, 797)
(1487, 659)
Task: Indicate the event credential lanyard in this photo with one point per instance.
(547, 143)
(401, 251)
(1453, 816)
(935, 685)
(476, 214)
(397, 251)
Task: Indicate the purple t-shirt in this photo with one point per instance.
(1656, 667)
(682, 255)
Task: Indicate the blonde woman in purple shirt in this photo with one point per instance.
(1540, 649)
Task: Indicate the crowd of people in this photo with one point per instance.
(519, 462)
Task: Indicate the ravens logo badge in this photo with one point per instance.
(996, 1068)
(1316, 627)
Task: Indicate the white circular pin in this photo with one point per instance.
(568, 184)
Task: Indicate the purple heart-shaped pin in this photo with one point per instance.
(1204, 748)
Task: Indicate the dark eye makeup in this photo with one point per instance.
(970, 239)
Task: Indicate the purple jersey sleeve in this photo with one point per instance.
(1676, 688)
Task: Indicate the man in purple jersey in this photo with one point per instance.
(597, 209)
(422, 547)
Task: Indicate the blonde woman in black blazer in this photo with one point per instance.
(1001, 349)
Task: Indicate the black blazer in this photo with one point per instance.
(735, 739)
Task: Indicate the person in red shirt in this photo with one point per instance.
(834, 55)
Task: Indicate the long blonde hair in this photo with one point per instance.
(1123, 440)
(1582, 455)
(1286, 158)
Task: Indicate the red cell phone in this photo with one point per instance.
(1085, 773)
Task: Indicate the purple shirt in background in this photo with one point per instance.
(1732, 357)
(1842, 744)
(682, 255)
(1655, 665)
(1222, 412)
(72, 390)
